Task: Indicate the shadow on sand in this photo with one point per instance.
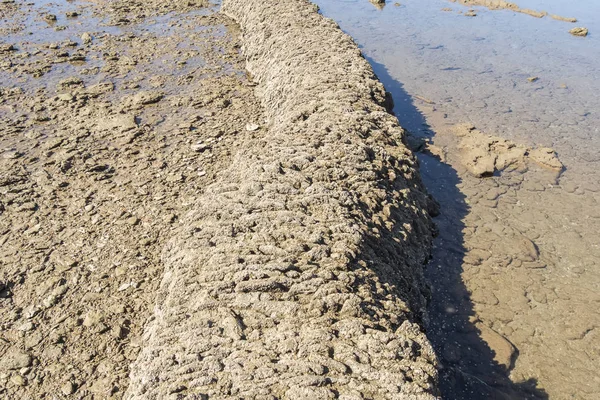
(469, 370)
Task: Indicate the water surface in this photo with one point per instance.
(506, 324)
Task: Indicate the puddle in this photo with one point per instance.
(515, 271)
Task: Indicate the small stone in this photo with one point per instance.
(133, 221)
(71, 81)
(15, 359)
(68, 388)
(533, 78)
(91, 319)
(72, 14)
(4, 48)
(250, 127)
(26, 327)
(126, 286)
(66, 97)
(18, 380)
(200, 147)
(583, 32)
(145, 98)
(50, 17)
(86, 38)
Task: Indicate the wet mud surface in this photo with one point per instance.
(112, 122)
(171, 227)
(515, 278)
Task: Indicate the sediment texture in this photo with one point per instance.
(298, 275)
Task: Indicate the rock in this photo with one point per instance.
(583, 32)
(72, 14)
(546, 157)
(70, 81)
(66, 97)
(26, 327)
(200, 147)
(92, 318)
(18, 380)
(120, 123)
(14, 359)
(147, 97)
(415, 144)
(50, 17)
(250, 127)
(533, 78)
(505, 351)
(68, 388)
(479, 163)
(103, 387)
(86, 38)
(5, 48)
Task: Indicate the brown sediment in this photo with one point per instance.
(275, 248)
(108, 135)
(299, 272)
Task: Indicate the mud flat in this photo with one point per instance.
(172, 228)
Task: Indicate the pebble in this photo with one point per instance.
(91, 319)
(583, 32)
(200, 147)
(18, 380)
(15, 359)
(26, 327)
(68, 388)
(250, 127)
(145, 98)
(86, 38)
(6, 48)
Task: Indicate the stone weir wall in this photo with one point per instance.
(299, 275)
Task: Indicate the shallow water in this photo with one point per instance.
(506, 323)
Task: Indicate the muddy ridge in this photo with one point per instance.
(298, 273)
